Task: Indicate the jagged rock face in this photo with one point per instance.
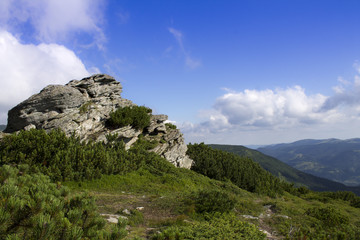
(82, 107)
(79, 106)
(171, 142)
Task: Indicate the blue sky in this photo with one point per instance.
(235, 72)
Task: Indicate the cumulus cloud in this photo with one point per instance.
(26, 68)
(54, 20)
(347, 95)
(190, 62)
(262, 108)
(261, 116)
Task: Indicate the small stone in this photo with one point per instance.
(29, 127)
(126, 211)
(249, 217)
(113, 218)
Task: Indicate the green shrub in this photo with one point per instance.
(145, 144)
(241, 171)
(170, 125)
(135, 116)
(355, 203)
(136, 218)
(213, 201)
(32, 207)
(66, 158)
(329, 216)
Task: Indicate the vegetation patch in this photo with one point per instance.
(214, 201)
(136, 116)
(226, 197)
(328, 216)
(32, 207)
(66, 158)
(214, 226)
(170, 125)
(242, 171)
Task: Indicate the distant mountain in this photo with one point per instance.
(2, 127)
(288, 173)
(334, 159)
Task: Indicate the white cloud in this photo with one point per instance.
(190, 62)
(347, 96)
(280, 115)
(26, 68)
(54, 20)
(270, 108)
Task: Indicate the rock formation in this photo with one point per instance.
(83, 107)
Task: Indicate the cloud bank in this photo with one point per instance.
(33, 54)
(54, 21)
(268, 111)
(26, 68)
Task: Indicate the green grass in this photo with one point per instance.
(143, 181)
(168, 204)
(172, 203)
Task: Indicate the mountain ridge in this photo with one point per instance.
(334, 159)
(282, 170)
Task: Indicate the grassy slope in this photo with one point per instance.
(165, 202)
(168, 196)
(282, 170)
(164, 197)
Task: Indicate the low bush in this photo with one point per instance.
(32, 207)
(135, 116)
(66, 158)
(207, 201)
(329, 216)
(170, 125)
(136, 218)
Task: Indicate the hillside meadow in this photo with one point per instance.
(61, 188)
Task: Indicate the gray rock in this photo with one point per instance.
(83, 107)
(112, 218)
(157, 124)
(126, 211)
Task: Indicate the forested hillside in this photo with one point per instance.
(334, 159)
(286, 172)
(2, 127)
(57, 187)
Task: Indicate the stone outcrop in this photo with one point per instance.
(83, 107)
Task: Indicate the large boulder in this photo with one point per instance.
(83, 107)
